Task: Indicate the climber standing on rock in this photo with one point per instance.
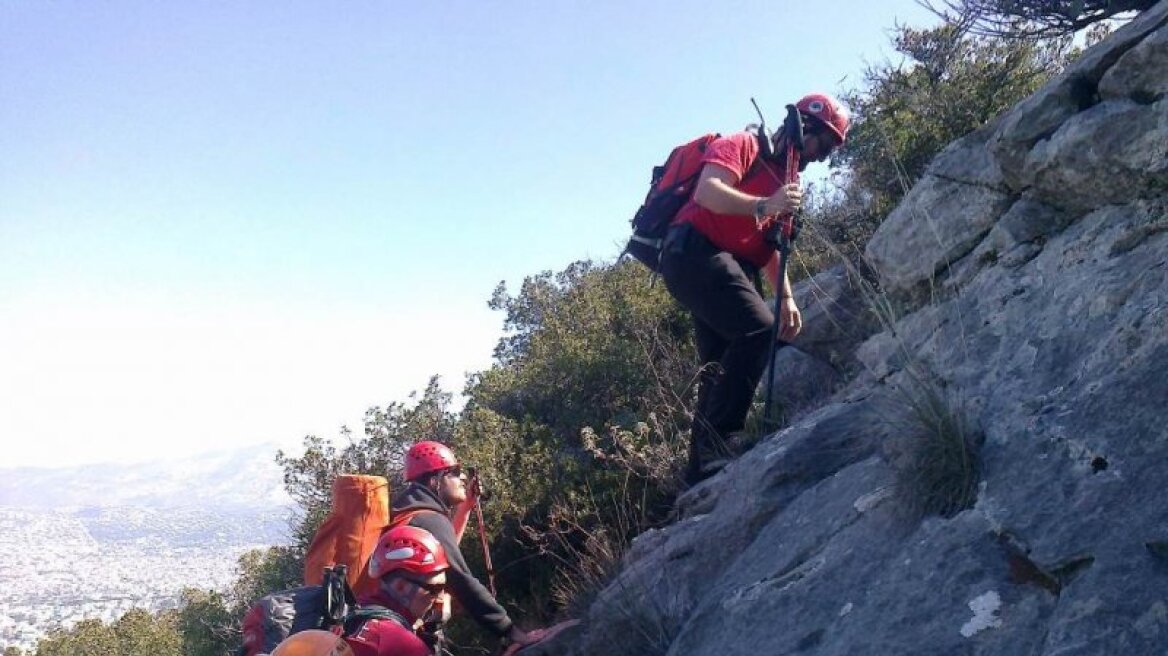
(712, 256)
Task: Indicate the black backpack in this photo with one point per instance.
(276, 616)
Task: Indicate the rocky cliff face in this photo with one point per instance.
(1037, 252)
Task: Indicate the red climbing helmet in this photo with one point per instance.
(410, 549)
(426, 457)
(828, 111)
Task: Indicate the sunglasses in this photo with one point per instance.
(455, 471)
(815, 127)
(432, 589)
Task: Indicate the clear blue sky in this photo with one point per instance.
(233, 222)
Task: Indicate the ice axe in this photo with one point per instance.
(782, 234)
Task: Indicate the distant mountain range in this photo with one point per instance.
(244, 478)
(92, 542)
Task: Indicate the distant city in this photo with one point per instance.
(95, 542)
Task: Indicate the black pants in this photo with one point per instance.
(732, 328)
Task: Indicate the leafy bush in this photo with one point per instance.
(593, 350)
(208, 623)
(137, 633)
(590, 345)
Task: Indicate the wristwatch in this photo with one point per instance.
(759, 209)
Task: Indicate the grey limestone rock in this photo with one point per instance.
(1141, 73)
(1040, 115)
(942, 217)
(1111, 153)
(835, 317)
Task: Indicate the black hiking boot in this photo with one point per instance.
(714, 459)
(707, 462)
(739, 442)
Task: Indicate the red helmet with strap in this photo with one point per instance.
(828, 111)
(426, 457)
(408, 549)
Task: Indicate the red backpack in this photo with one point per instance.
(671, 187)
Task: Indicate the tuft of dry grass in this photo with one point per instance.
(633, 620)
(932, 448)
(588, 537)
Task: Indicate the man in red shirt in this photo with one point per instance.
(410, 566)
(711, 259)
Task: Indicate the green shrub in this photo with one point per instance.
(137, 633)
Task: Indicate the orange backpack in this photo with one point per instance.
(348, 536)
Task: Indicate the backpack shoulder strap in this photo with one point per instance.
(357, 619)
(403, 518)
(758, 166)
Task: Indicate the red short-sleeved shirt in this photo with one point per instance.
(386, 638)
(735, 234)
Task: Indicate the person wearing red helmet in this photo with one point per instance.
(439, 499)
(410, 567)
(711, 260)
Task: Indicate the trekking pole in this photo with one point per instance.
(486, 551)
(782, 236)
(480, 494)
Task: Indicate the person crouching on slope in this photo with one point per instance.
(711, 257)
(438, 499)
(410, 567)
